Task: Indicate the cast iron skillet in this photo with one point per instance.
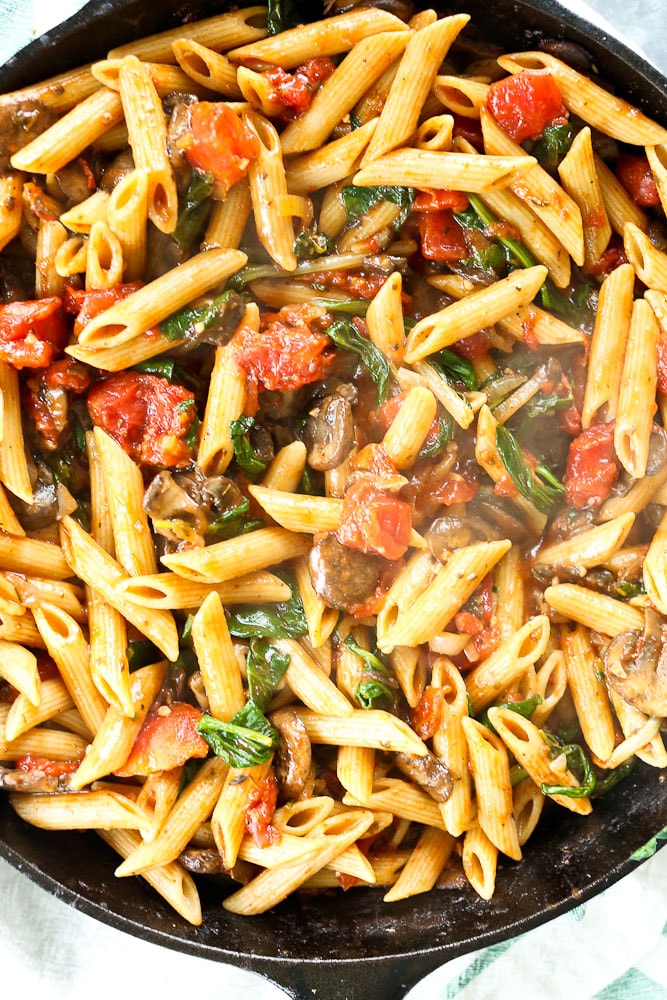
(352, 946)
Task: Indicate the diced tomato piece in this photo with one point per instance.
(86, 305)
(436, 200)
(294, 91)
(457, 489)
(523, 105)
(373, 458)
(167, 739)
(259, 813)
(44, 396)
(147, 415)
(425, 718)
(32, 333)
(468, 624)
(612, 258)
(51, 768)
(374, 521)
(473, 347)
(442, 238)
(592, 466)
(662, 364)
(289, 351)
(636, 176)
(220, 143)
(486, 642)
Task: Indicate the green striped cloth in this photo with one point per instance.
(613, 947)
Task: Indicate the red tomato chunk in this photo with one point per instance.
(375, 521)
(168, 738)
(288, 352)
(294, 91)
(261, 807)
(32, 333)
(634, 173)
(87, 305)
(592, 466)
(220, 143)
(441, 236)
(147, 415)
(51, 768)
(523, 105)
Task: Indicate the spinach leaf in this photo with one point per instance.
(524, 708)
(548, 402)
(517, 250)
(348, 307)
(243, 450)
(374, 694)
(450, 365)
(311, 243)
(580, 765)
(553, 144)
(141, 652)
(377, 688)
(445, 435)
(347, 338)
(265, 667)
(189, 322)
(247, 740)
(539, 486)
(284, 14)
(609, 779)
(283, 620)
(193, 208)
(358, 200)
(627, 589)
(234, 522)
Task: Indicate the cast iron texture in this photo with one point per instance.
(352, 946)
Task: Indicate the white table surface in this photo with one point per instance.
(612, 948)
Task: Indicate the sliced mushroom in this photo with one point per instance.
(635, 665)
(449, 533)
(20, 123)
(569, 52)
(228, 316)
(428, 772)
(73, 180)
(166, 500)
(44, 507)
(120, 167)
(329, 433)
(208, 861)
(17, 278)
(500, 514)
(293, 762)
(344, 578)
(32, 781)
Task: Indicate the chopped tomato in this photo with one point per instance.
(51, 768)
(473, 347)
(374, 459)
(36, 202)
(634, 173)
(662, 364)
(289, 351)
(147, 415)
(442, 238)
(612, 258)
(468, 624)
(457, 489)
(425, 718)
(259, 813)
(374, 521)
(87, 305)
(523, 105)
(44, 397)
(592, 466)
(347, 881)
(436, 200)
(32, 333)
(220, 143)
(485, 642)
(293, 92)
(167, 739)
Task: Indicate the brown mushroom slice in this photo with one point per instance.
(329, 433)
(428, 772)
(635, 665)
(293, 762)
(344, 578)
(450, 532)
(32, 781)
(208, 861)
(20, 123)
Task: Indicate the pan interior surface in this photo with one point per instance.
(569, 858)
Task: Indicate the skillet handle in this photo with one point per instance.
(388, 979)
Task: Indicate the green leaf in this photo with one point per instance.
(189, 322)
(234, 522)
(372, 693)
(358, 201)
(310, 243)
(628, 589)
(162, 367)
(609, 779)
(247, 740)
(450, 365)
(243, 450)
(283, 620)
(347, 338)
(193, 208)
(141, 652)
(577, 308)
(524, 708)
(553, 144)
(348, 307)
(580, 765)
(371, 660)
(531, 485)
(487, 218)
(265, 668)
(548, 402)
(445, 435)
(285, 14)
(649, 848)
